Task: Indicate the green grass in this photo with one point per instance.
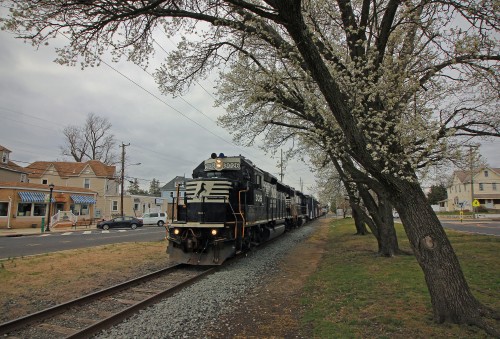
(356, 294)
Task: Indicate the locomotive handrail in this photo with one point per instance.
(243, 221)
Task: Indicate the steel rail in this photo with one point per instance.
(60, 308)
(122, 315)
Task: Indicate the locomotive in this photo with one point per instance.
(229, 206)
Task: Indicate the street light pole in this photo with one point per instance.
(47, 228)
(122, 177)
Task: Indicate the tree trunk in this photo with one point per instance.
(359, 221)
(381, 214)
(451, 297)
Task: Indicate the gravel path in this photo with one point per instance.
(187, 313)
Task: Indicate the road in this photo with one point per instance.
(11, 247)
(478, 227)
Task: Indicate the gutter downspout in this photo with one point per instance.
(8, 212)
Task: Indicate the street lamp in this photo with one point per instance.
(121, 183)
(47, 228)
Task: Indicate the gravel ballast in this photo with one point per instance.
(188, 312)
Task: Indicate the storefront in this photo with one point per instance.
(27, 205)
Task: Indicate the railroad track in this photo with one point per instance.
(85, 316)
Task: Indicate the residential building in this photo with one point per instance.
(10, 171)
(483, 185)
(172, 189)
(91, 175)
(133, 205)
(174, 192)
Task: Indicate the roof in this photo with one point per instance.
(70, 169)
(42, 187)
(464, 176)
(170, 186)
(4, 149)
(11, 166)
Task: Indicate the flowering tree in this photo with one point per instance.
(386, 82)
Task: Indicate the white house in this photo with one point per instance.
(483, 186)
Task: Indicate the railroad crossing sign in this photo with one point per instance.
(476, 203)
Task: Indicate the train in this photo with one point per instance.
(229, 206)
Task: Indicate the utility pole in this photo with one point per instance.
(472, 179)
(122, 176)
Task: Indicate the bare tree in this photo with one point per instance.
(93, 141)
(387, 82)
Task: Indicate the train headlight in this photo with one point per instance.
(214, 232)
(176, 231)
(219, 164)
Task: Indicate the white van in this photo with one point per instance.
(156, 218)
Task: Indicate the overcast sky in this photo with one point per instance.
(169, 137)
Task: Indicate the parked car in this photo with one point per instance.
(118, 222)
(155, 218)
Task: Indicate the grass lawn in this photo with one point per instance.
(355, 294)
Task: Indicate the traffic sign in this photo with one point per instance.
(476, 203)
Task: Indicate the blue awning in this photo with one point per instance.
(35, 197)
(83, 199)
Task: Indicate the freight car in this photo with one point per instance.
(229, 206)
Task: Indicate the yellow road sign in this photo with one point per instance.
(476, 203)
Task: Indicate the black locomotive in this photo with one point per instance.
(229, 206)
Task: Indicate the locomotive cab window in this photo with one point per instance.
(258, 181)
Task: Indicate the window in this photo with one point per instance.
(114, 205)
(258, 181)
(4, 207)
(494, 186)
(45, 182)
(24, 210)
(23, 178)
(485, 174)
(4, 158)
(86, 183)
(481, 187)
(136, 207)
(39, 209)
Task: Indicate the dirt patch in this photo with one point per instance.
(33, 283)
(273, 309)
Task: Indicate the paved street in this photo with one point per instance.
(38, 243)
(474, 226)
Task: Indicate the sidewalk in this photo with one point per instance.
(18, 232)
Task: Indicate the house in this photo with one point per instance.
(27, 205)
(483, 186)
(172, 189)
(91, 175)
(10, 171)
(133, 205)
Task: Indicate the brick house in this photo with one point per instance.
(26, 204)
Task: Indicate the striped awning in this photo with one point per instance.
(35, 197)
(83, 199)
